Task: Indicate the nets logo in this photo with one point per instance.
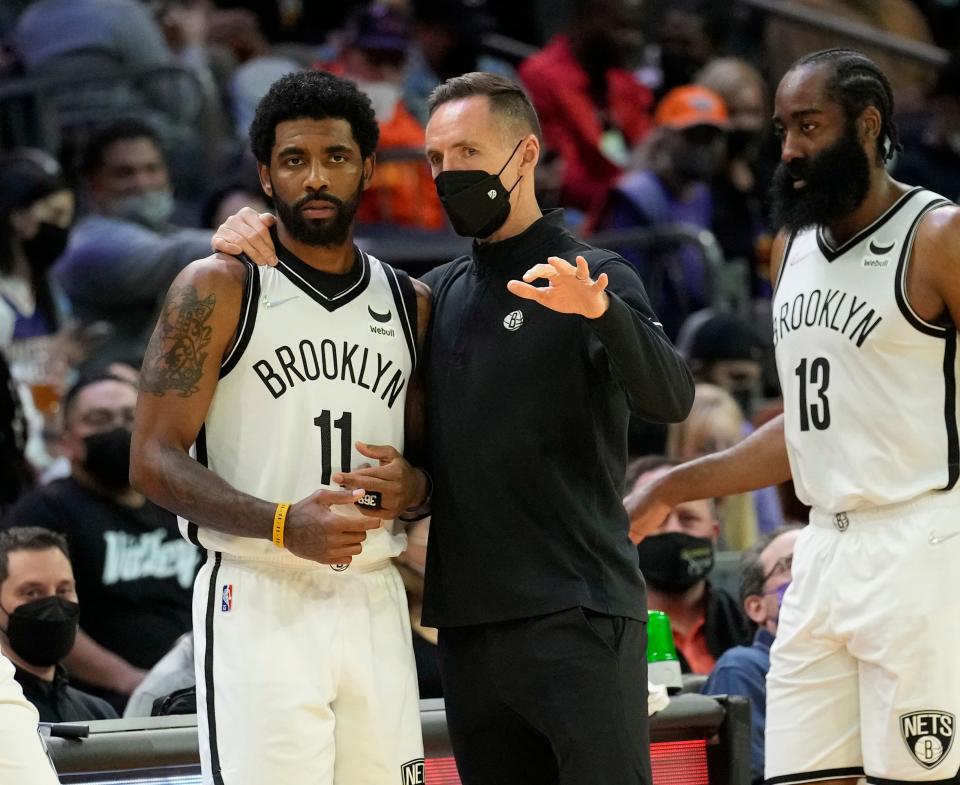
(928, 735)
(226, 598)
(412, 773)
(513, 321)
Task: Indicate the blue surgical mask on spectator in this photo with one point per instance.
(150, 208)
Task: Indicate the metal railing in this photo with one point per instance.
(166, 749)
(855, 32)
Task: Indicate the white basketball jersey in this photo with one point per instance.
(870, 388)
(308, 377)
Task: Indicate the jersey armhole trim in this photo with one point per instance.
(398, 287)
(950, 409)
(783, 261)
(245, 322)
(200, 448)
(900, 280)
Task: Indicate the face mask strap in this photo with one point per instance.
(519, 177)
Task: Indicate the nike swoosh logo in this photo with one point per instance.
(880, 249)
(274, 303)
(934, 539)
(383, 318)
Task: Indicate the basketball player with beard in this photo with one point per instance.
(863, 672)
(260, 387)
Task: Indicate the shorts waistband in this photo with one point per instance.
(289, 561)
(933, 500)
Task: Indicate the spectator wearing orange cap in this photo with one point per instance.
(669, 185)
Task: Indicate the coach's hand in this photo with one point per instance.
(247, 232)
(314, 532)
(570, 288)
(399, 484)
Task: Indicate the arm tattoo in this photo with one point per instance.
(175, 357)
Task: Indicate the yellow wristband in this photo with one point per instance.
(279, 521)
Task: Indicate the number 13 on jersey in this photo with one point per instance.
(814, 412)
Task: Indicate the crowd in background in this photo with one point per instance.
(123, 145)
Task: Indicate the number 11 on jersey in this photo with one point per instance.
(342, 424)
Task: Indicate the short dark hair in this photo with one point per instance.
(28, 538)
(645, 463)
(314, 95)
(507, 98)
(855, 83)
(118, 131)
(86, 381)
(751, 570)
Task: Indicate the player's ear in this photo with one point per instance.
(369, 165)
(264, 172)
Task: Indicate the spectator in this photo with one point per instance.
(725, 350)
(39, 611)
(676, 561)
(671, 185)
(36, 211)
(591, 107)
(715, 423)
(689, 35)
(742, 670)
(932, 157)
(740, 222)
(16, 474)
(374, 56)
(230, 198)
(118, 33)
(123, 255)
(447, 43)
(134, 571)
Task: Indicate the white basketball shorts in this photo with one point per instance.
(304, 676)
(865, 671)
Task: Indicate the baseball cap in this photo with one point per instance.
(381, 28)
(690, 105)
(723, 336)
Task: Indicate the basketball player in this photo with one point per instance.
(21, 752)
(863, 679)
(260, 386)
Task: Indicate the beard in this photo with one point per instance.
(837, 181)
(323, 232)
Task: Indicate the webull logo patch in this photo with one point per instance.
(928, 735)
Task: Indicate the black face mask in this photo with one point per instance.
(674, 561)
(45, 247)
(42, 632)
(743, 143)
(475, 201)
(108, 458)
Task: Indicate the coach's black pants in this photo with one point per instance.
(551, 700)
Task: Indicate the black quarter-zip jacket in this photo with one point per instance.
(527, 414)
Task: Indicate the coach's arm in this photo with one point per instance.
(195, 330)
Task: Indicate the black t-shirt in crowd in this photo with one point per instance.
(527, 413)
(134, 571)
(58, 701)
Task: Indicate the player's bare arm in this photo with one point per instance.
(758, 461)
(401, 486)
(933, 282)
(180, 371)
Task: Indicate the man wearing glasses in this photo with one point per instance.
(134, 572)
(742, 670)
